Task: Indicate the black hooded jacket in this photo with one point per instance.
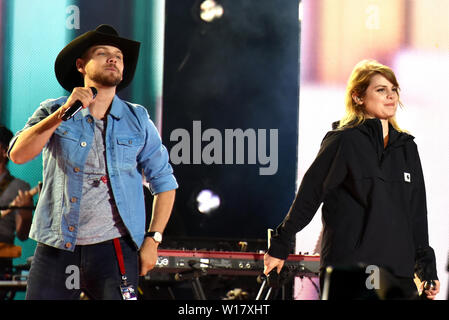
(374, 203)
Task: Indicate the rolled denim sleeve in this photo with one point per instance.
(153, 159)
(45, 109)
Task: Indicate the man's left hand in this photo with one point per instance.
(148, 255)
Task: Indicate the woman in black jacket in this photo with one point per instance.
(368, 176)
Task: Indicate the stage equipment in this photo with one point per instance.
(200, 268)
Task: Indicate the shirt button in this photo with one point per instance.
(65, 133)
(83, 144)
(71, 228)
(89, 120)
(68, 245)
(76, 169)
(73, 199)
(130, 142)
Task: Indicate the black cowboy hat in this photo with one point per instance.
(65, 65)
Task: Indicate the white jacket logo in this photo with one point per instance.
(407, 177)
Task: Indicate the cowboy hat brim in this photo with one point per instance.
(65, 64)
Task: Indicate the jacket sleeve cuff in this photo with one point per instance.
(162, 184)
(278, 249)
(425, 266)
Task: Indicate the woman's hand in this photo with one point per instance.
(271, 262)
(431, 293)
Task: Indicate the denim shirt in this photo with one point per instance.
(133, 147)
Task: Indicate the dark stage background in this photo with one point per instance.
(239, 71)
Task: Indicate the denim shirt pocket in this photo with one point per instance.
(67, 141)
(128, 147)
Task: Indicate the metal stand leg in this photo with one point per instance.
(194, 277)
(198, 289)
(268, 293)
(262, 288)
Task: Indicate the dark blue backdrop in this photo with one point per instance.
(240, 71)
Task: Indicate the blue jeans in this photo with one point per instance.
(53, 273)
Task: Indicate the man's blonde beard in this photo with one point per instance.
(107, 80)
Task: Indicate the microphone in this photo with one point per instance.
(74, 108)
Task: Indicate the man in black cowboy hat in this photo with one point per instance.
(90, 218)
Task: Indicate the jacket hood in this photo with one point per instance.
(373, 129)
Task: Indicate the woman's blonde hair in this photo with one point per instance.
(357, 84)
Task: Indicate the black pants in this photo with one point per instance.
(349, 283)
(57, 274)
